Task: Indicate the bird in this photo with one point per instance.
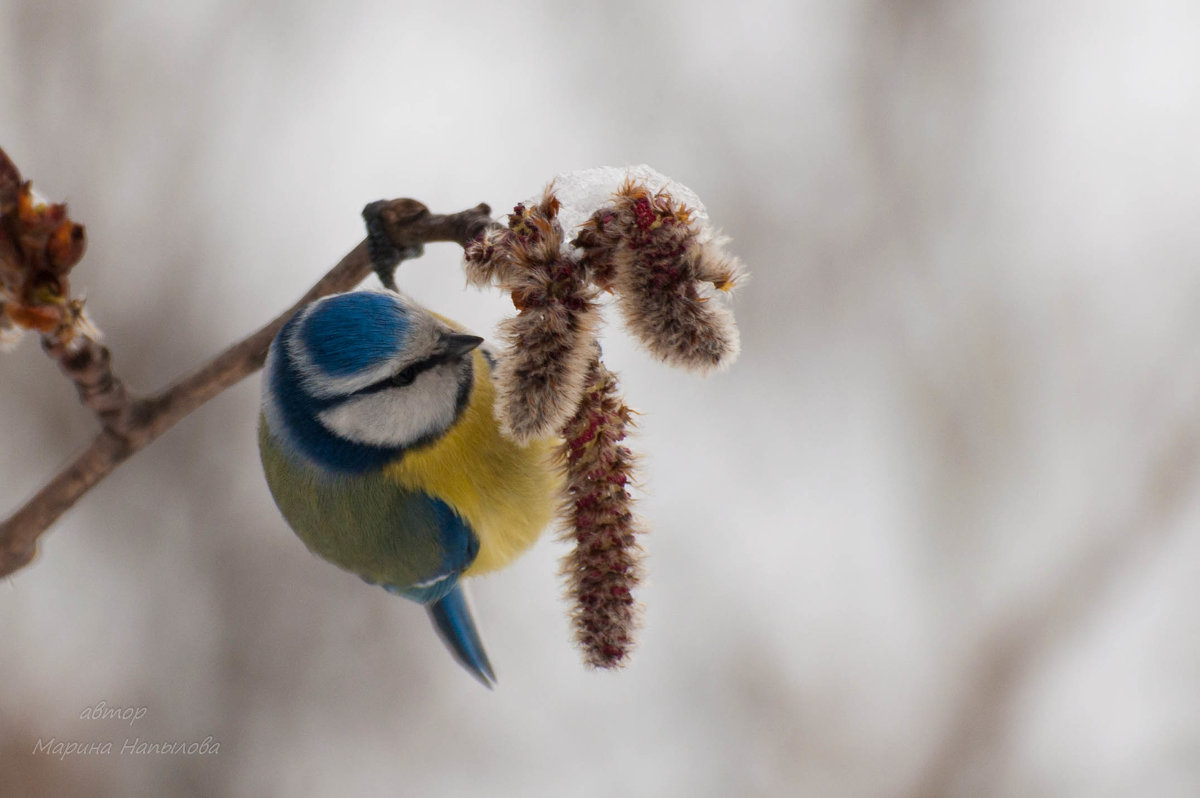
(382, 452)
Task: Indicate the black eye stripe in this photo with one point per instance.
(404, 376)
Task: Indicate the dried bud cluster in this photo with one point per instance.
(549, 342)
(604, 566)
(39, 244)
(647, 250)
(10, 333)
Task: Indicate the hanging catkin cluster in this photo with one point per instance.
(648, 250)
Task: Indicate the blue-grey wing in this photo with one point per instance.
(437, 538)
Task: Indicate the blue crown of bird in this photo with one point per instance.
(382, 451)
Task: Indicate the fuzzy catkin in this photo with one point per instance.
(650, 253)
(603, 567)
(547, 345)
(660, 263)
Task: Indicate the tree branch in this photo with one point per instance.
(129, 423)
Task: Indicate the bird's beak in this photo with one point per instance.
(458, 344)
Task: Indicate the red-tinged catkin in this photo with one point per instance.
(648, 250)
(548, 344)
(486, 257)
(604, 566)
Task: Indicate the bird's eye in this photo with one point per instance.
(403, 377)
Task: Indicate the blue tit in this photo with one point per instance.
(382, 451)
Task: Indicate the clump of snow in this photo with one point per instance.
(583, 192)
(10, 336)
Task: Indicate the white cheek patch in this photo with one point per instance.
(397, 416)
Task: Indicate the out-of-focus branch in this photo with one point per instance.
(39, 245)
(975, 735)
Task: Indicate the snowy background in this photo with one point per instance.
(937, 533)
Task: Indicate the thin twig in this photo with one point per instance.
(130, 423)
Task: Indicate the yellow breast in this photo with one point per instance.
(506, 492)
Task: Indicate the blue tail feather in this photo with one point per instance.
(452, 619)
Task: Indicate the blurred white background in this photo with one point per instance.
(936, 533)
